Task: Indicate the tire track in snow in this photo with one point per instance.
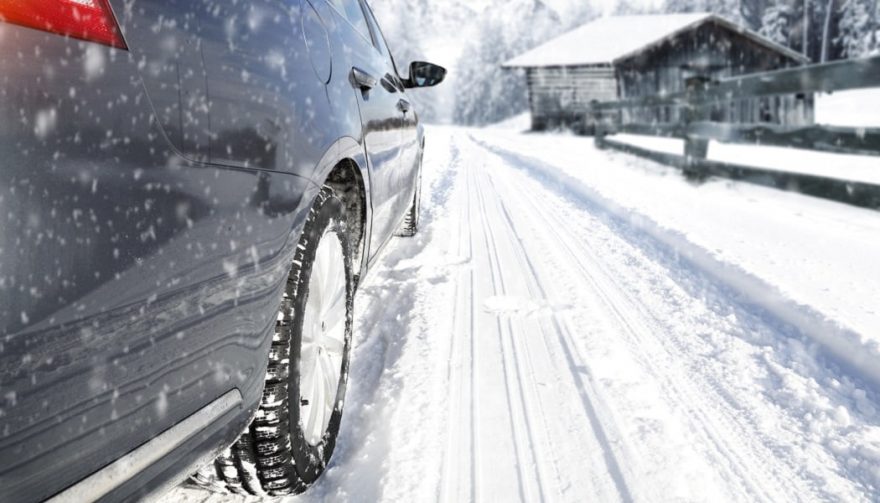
(526, 394)
(486, 190)
(743, 468)
(498, 288)
(515, 243)
(600, 429)
(641, 335)
(461, 423)
(476, 483)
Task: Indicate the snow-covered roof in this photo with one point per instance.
(609, 39)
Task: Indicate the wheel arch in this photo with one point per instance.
(349, 176)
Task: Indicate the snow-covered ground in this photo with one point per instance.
(849, 108)
(578, 325)
(517, 123)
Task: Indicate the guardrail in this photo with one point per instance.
(697, 102)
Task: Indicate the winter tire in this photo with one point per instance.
(290, 441)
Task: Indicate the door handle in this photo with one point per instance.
(362, 80)
(403, 106)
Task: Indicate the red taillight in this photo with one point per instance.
(84, 19)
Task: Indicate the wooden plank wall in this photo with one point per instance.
(561, 96)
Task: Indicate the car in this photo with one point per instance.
(190, 193)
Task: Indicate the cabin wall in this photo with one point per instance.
(561, 96)
(711, 51)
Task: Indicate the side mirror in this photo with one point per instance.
(422, 74)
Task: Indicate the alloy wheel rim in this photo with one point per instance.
(323, 339)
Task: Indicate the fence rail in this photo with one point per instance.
(838, 140)
(822, 78)
(696, 103)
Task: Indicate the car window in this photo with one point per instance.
(351, 10)
(379, 39)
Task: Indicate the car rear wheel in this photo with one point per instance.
(290, 441)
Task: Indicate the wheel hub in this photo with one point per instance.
(323, 339)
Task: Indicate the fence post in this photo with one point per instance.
(696, 150)
(599, 132)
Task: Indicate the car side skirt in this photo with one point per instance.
(123, 469)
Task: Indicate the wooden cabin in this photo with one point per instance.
(636, 56)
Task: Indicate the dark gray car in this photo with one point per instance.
(190, 192)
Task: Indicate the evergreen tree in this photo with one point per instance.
(505, 30)
(776, 23)
(492, 93)
(858, 28)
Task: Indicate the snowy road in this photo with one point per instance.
(533, 345)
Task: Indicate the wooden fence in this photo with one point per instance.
(694, 127)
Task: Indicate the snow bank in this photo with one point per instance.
(849, 108)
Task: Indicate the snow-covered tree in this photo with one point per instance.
(492, 93)
(810, 27)
(776, 23)
(859, 28)
(729, 9)
(505, 29)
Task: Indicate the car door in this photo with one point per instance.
(379, 97)
(409, 146)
